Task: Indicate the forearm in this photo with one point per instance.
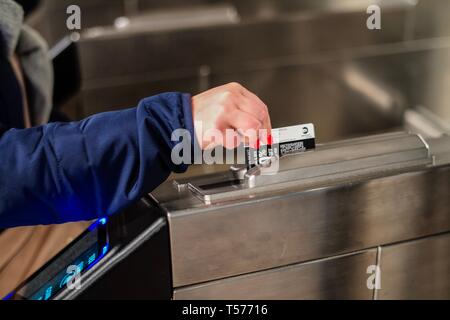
(65, 172)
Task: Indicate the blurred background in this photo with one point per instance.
(309, 60)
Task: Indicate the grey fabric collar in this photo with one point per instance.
(11, 19)
(37, 67)
(32, 52)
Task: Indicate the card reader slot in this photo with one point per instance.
(353, 159)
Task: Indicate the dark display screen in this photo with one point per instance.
(78, 257)
(62, 279)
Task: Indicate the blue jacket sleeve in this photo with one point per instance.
(64, 172)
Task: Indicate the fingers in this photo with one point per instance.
(249, 102)
(266, 137)
(257, 110)
(242, 121)
(254, 106)
(246, 125)
(232, 106)
(232, 139)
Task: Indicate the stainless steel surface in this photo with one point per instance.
(357, 158)
(299, 56)
(222, 241)
(416, 270)
(251, 9)
(426, 123)
(369, 156)
(280, 58)
(343, 277)
(169, 20)
(50, 18)
(310, 61)
(231, 44)
(353, 93)
(349, 82)
(275, 228)
(430, 19)
(418, 25)
(441, 148)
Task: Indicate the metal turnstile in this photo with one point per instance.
(318, 228)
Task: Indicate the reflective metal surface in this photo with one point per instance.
(357, 158)
(440, 147)
(228, 44)
(311, 230)
(270, 232)
(431, 19)
(343, 277)
(310, 60)
(271, 228)
(277, 58)
(416, 270)
(349, 82)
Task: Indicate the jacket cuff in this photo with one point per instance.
(169, 112)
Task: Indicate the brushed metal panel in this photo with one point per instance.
(50, 18)
(352, 94)
(345, 95)
(416, 270)
(267, 8)
(430, 81)
(100, 99)
(431, 19)
(144, 5)
(147, 50)
(440, 147)
(343, 277)
(359, 158)
(316, 93)
(221, 240)
(238, 52)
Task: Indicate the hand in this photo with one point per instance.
(230, 106)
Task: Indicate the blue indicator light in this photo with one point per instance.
(66, 279)
(85, 262)
(69, 276)
(94, 225)
(9, 296)
(48, 293)
(91, 258)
